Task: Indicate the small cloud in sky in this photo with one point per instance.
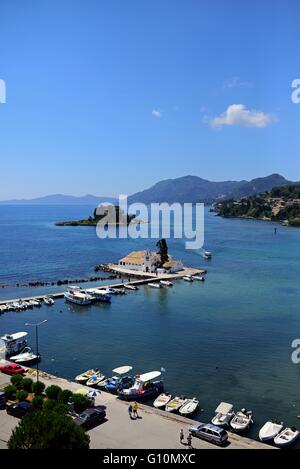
(156, 113)
(235, 82)
(238, 114)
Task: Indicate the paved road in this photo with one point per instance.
(153, 430)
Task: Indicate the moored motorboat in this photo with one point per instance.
(200, 278)
(175, 404)
(48, 300)
(144, 386)
(189, 407)
(166, 283)
(95, 379)
(188, 278)
(101, 295)
(286, 437)
(14, 343)
(224, 413)
(207, 255)
(26, 356)
(120, 379)
(162, 400)
(130, 287)
(242, 420)
(154, 285)
(75, 295)
(83, 377)
(270, 430)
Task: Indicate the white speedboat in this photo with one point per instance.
(286, 437)
(200, 278)
(166, 283)
(49, 300)
(83, 377)
(188, 278)
(190, 406)
(96, 379)
(130, 287)
(75, 295)
(207, 255)
(175, 404)
(242, 420)
(224, 413)
(26, 356)
(162, 400)
(154, 285)
(269, 431)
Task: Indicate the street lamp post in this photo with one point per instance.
(37, 343)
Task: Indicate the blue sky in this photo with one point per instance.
(111, 97)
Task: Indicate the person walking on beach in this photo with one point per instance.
(189, 441)
(135, 409)
(181, 436)
(130, 410)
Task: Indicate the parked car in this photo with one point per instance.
(12, 369)
(210, 433)
(20, 409)
(90, 417)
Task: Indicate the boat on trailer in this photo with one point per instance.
(286, 437)
(270, 430)
(145, 386)
(242, 420)
(189, 407)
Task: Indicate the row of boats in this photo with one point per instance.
(83, 297)
(22, 305)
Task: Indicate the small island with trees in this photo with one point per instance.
(281, 204)
(106, 214)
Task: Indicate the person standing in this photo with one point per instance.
(130, 410)
(135, 409)
(189, 441)
(181, 436)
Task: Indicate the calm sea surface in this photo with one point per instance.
(228, 339)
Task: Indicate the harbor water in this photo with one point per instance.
(227, 339)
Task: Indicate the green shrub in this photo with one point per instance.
(53, 391)
(61, 409)
(49, 404)
(27, 384)
(10, 391)
(16, 380)
(37, 402)
(22, 395)
(80, 402)
(38, 388)
(65, 396)
(48, 430)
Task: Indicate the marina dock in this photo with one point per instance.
(155, 429)
(140, 278)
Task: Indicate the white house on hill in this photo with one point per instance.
(147, 261)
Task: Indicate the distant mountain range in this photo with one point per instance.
(184, 189)
(195, 189)
(60, 199)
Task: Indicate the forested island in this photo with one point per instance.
(109, 215)
(281, 204)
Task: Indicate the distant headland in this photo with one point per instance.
(110, 215)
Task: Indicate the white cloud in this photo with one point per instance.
(234, 82)
(156, 113)
(238, 114)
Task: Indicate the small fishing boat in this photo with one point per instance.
(144, 386)
(83, 377)
(207, 255)
(154, 285)
(270, 430)
(224, 413)
(188, 278)
(162, 400)
(200, 278)
(242, 420)
(75, 295)
(130, 287)
(95, 379)
(175, 404)
(120, 379)
(189, 407)
(26, 356)
(48, 300)
(166, 283)
(286, 437)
